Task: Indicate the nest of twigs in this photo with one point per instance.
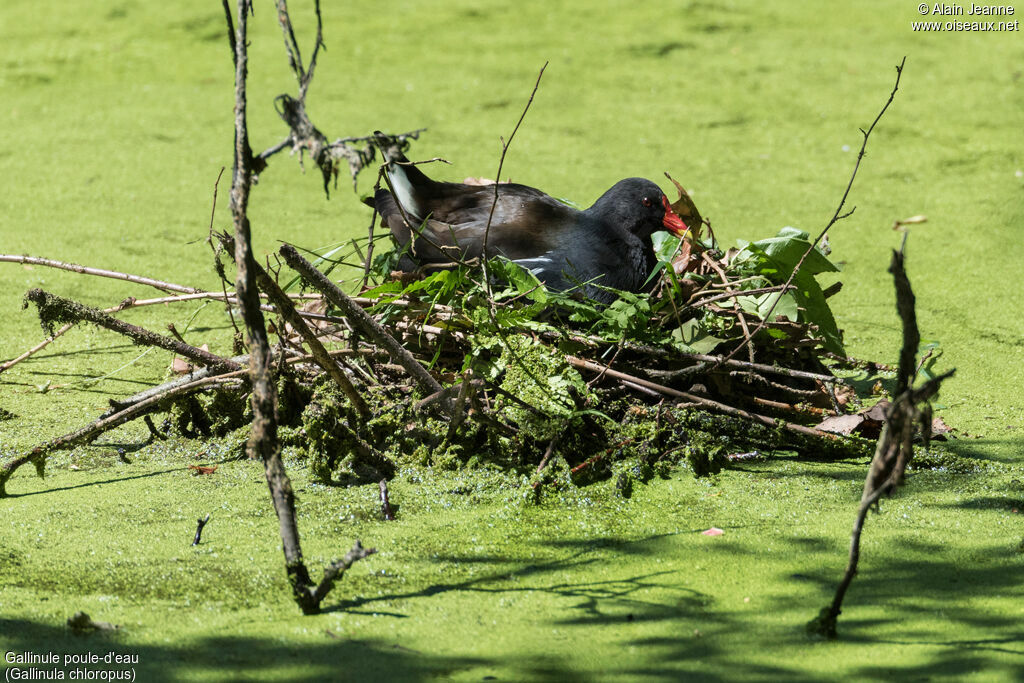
(730, 353)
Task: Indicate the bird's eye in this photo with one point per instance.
(646, 201)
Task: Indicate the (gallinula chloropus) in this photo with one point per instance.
(607, 245)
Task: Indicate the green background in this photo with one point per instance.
(115, 120)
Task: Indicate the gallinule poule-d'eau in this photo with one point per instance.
(608, 244)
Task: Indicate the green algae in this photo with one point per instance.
(750, 105)
(633, 575)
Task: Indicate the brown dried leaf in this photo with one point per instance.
(841, 424)
(180, 366)
(844, 394)
(940, 430)
(866, 423)
(685, 261)
(202, 469)
(687, 210)
(324, 329)
(877, 412)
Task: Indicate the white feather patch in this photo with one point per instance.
(536, 265)
(403, 190)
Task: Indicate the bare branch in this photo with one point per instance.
(501, 163)
(53, 308)
(337, 569)
(263, 441)
(360, 319)
(287, 310)
(836, 217)
(705, 402)
(85, 270)
(87, 433)
(894, 450)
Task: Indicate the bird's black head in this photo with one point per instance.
(638, 205)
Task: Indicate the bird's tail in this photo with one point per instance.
(404, 178)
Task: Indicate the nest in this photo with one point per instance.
(730, 355)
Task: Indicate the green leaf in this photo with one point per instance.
(811, 299)
(665, 245)
(524, 281)
(692, 337)
(785, 251)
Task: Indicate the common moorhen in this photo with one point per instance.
(608, 245)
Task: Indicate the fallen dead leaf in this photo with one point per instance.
(685, 261)
(841, 424)
(687, 210)
(909, 221)
(876, 412)
(202, 469)
(180, 366)
(867, 423)
(940, 430)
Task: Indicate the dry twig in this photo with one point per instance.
(837, 216)
(907, 412)
(53, 308)
(360, 319)
(85, 270)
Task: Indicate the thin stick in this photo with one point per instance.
(497, 178)
(231, 32)
(337, 569)
(202, 373)
(707, 360)
(287, 310)
(548, 453)
(85, 270)
(369, 248)
(707, 403)
(153, 431)
(837, 216)
(358, 317)
(200, 523)
(735, 297)
(263, 442)
(107, 422)
(53, 308)
(216, 254)
(37, 348)
(136, 303)
(894, 449)
(742, 292)
(385, 502)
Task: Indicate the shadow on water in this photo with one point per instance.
(338, 658)
(155, 473)
(694, 634)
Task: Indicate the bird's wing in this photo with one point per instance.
(456, 218)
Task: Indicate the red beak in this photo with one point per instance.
(672, 222)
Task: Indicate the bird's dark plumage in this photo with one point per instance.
(608, 244)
